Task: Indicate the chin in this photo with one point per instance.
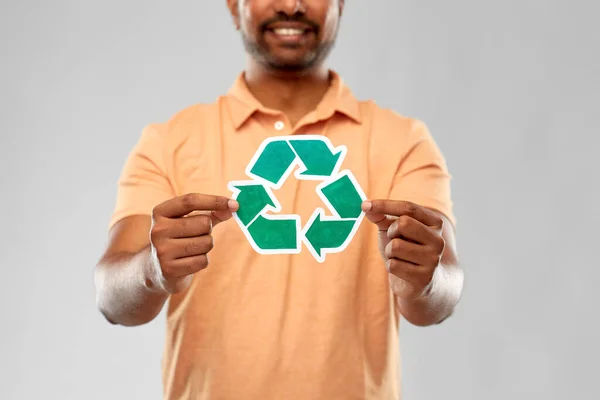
(287, 68)
(297, 62)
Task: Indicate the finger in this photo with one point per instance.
(382, 221)
(190, 226)
(220, 216)
(182, 267)
(183, 205)
(200, 223)
(399, 208)
(190, 247)
(406, 271)
(409, 228)
(413, 253)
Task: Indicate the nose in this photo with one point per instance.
(290, 7)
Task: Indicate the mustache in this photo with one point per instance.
(298, 17)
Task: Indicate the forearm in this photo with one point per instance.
(437, 305)
(126, 292)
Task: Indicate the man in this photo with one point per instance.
(241, 325)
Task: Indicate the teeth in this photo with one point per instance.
(288, 32)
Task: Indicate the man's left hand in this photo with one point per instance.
(411, 243)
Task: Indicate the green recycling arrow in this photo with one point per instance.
(316, 159)
(268, 234)
(342, 196)
(327, 233)
(274, 234)
(273, 162)
(253, 199)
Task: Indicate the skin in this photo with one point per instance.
(295, 73)
(419, 249)
(150, 257)
(139, 271)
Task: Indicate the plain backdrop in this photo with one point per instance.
(509, 89)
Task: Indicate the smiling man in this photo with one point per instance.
(242, 325)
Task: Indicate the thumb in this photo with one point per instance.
(222, 216)
(383, 221)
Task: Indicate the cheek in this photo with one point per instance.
(245, 18)
(330, 22)
(248, 20)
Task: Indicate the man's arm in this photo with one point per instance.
(417, 236)
(445, 287)
(126, 293)
(150, 257)
(418, 246)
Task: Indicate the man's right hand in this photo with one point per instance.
(180, 242)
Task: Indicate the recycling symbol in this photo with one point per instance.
(314, 158)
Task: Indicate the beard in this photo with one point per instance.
(259, 50)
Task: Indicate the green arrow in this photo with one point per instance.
(328, 234)
(274, 234)
(316, 156)
(274, 161)
(343, 197)
(252, 200)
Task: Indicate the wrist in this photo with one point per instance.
(151, 277)
(404, 290)
(435, 302)
(427, 290)
(155, 281)
(409, 292)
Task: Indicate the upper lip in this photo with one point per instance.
(289, 25)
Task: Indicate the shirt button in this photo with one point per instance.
(279, 125)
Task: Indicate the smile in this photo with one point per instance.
(294, 36)
(289, 32)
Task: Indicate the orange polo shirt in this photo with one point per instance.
(283, 326)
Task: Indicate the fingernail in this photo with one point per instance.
(232, 204)
(366, 205)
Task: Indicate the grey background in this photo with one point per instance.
(508, 88)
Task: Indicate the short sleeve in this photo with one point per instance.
(144, 181)
(422, 176)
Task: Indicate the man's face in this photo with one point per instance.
(287, 35)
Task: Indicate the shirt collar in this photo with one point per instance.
(338, 98)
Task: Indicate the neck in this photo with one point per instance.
(293, 93)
